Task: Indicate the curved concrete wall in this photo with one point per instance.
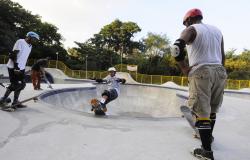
(134, 100)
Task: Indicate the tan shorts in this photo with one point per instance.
(206, 88)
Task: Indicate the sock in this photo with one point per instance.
(103, 100)
(213, 120)
(204, 127)
(16, 96)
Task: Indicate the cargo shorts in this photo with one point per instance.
(206, 89)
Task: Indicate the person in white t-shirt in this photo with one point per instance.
(110, 94)
(16, 66)
(206, 74)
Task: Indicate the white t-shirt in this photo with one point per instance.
(112, 83)
(22, 56)
(206, 48)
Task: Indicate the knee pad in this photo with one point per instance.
(106, 93)
(12, 87)
(20, 86)
(213, 116)
(203, 123)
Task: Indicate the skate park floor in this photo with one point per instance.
(45, 131)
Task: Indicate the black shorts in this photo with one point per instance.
(112, 94)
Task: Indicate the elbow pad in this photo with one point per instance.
(12, 56)
(177, 50)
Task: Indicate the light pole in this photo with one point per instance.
(56, 58)
(86, 67)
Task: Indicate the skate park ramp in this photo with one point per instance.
(126, 76)
(141, 101)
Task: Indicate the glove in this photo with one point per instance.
(16, 69)
(123, 81)
(99, 80)
(16, 66)
(12, 55)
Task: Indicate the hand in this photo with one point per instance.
(99, 80)
(186, 70)
(16, 69)
(123, 81)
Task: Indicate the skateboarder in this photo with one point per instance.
(111, 93)
(206, 74)
(16, 66)
(37, 72)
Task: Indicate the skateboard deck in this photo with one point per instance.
(96, 107)
(12, 108)
(190, 117)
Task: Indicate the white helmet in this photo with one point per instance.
(112, 69)
(33, 34)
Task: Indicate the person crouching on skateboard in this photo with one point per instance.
(110, 94)
(37, 72)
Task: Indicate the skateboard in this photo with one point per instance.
(12, 108)
(190, 117)
(96, 107)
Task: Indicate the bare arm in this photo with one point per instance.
(188, 35)
(223, 52)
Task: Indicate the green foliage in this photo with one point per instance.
(243, 75)
(117, 35)
(156, 44)
(15, 22)
(238, 66)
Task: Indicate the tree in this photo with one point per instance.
(117, 35)
(156, 45)
(15, 22)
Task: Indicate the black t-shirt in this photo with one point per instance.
(40, 63)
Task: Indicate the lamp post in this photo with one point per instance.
(56, 58)
(86, 66)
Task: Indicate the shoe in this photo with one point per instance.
(19, 105)
(5, 100)
(103, 106)
(203, 154)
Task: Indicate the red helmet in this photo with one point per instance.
(192, 13)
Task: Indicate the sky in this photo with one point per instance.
(78, 20)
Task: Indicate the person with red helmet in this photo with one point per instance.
(206, 74)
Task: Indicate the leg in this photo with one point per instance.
(12, 85)
(204, 127)
(39, 80)
(33, 79)
(200, 85)
(109, 95)
(217, 94)
(213, 120)
(20, 86)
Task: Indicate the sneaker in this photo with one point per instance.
(203, 154)
(5, 100)
(18, 105)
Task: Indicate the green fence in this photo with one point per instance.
(141, 78)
